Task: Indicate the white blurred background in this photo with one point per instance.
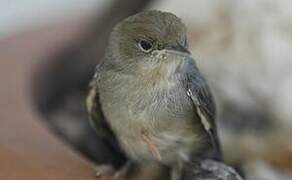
(20, 15)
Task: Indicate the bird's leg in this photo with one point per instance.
(121, 173)
(103, 171)
(177, 171)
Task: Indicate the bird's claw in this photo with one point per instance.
(107, 172)
(104, 171)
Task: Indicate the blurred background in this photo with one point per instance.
(49, 48)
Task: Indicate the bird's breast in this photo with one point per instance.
(164, 113)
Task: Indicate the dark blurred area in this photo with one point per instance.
(243, 48)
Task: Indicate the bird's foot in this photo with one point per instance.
(104, 172)
(122, 173)
(107, 172)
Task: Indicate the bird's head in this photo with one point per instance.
(150, 41)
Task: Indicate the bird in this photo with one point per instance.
(148, 98)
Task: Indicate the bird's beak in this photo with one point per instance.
(178, 47)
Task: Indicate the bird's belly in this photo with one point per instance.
(166, 117)
(167, 147)
(172, 135)
(162, 135)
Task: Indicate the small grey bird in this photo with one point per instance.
(148, 96)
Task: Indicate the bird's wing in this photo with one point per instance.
(96, 116)
(198, 90)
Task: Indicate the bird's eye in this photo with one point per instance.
(145, 45)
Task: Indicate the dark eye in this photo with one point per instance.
(145, 45)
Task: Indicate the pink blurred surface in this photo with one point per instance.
(27, 149)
